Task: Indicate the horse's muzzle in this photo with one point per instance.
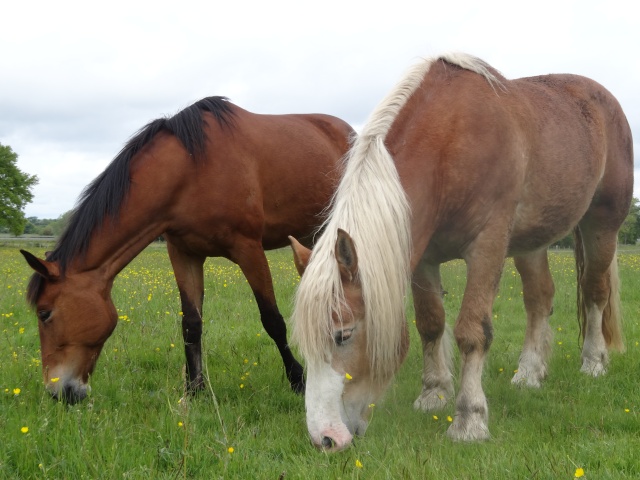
(70, 393)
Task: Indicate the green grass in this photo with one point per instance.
(135, 426)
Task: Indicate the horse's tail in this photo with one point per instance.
(612, 314)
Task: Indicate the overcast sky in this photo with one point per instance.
(77, 79)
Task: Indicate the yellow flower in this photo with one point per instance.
(16, 391)
(435, 417)
(180, 424)
(230, 450)
(449, 419)
(358, 464)
(24, 429)
(626, 410)
(55, 379)
(579, 473)
(347, 376)
(21, 331)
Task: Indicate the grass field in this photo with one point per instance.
(249, 425)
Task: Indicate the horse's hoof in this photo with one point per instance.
(296, 379)
(194, 387)
(432, 400)
(298, 387)
(473, 429)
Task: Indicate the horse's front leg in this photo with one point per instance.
(437, 382)
(474, 333)
(188, 270)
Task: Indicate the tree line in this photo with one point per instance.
(47, 227)
(15, 194)
(629, 233)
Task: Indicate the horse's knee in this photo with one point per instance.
(430, 328)
(473, 335)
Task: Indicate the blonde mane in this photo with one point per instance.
(369, 204)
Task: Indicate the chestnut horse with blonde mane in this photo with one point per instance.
(459, 162)
(214, 180)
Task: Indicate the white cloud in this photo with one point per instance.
(79, 78)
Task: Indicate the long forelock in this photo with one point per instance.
(380, 227)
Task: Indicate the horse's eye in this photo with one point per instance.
(44, 315)
(342, 336)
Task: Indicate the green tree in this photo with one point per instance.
(630, 229)
(60, 224)
(15, 191)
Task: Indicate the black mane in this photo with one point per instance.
(104, 196)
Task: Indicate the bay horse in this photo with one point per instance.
(459, 162)
(213, 180)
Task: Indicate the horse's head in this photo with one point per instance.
(75, 317)
(342, 386)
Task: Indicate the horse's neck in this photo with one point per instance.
(116, 244)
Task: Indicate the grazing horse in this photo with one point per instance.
(214, 180)
(459, 162)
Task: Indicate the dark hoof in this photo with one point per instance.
(296, 379)
(196, 386)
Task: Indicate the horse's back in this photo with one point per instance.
(578, 155)
(297, 158)
(529, 156)
(263, 177)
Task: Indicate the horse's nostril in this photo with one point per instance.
(327, 442)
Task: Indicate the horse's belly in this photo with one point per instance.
(542, 227)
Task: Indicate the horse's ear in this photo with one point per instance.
(346, 256)
(48, 270)
(301, 255)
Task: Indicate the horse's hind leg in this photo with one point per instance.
(252, 261)
(598, 297)
(437, 383)
(189, 277)
(538, 291)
